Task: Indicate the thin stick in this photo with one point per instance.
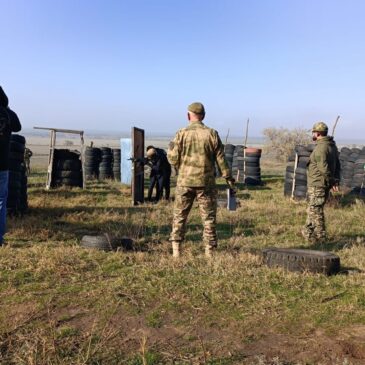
(335, 125)
(227, 136)
(244, 152)
(295, 172)
(248, 121)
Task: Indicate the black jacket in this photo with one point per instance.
(9, 122)
(159, 164)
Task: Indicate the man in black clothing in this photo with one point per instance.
(9, 122)
(160, 173)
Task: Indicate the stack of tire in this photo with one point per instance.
(296, 175)
(228, 153)
(91, 163)
(358, 179)
(252, 169)
(106, 164)
(246, 165)
(67, 168)
(17, 189)
(116, 163)
(348, 157)
(238, 163)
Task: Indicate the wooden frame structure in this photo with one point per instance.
(52, 145)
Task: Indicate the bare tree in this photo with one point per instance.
(281, 141)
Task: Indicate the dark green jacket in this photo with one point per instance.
(324, 165)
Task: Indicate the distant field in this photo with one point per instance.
(61, 304)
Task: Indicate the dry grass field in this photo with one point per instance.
(63, 304)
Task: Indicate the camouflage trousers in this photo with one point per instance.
(315, 228)
(207, 201)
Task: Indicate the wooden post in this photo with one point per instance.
(244, 152)
(335, 125)
(295, 169)
(83, 160)
(227, 136)
(51, 159)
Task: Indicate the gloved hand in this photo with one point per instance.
(231, 182)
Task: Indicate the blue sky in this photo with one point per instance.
(108, 65)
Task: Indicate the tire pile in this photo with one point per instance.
(67, 169)
(17, 189)
(116, 163)
(91, 163)
(106, 164)
(228, 153)
(246, 165)
(352, 168)
(296, 176)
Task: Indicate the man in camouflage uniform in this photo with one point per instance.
(27, 155)
(193, 153)
(323, 174)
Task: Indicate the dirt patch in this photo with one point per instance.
(197, 343)
(318, 347)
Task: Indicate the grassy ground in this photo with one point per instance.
(61, 304)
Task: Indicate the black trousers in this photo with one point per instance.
(156, 181)
(160, 182)
(166, 185)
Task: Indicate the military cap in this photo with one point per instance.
(320, 127)
(151, 152)
(196, 108)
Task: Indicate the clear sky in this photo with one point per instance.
(108, 65)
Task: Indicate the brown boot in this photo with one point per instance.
(175, 249)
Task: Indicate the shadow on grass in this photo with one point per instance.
(349, 199)
(273, 179)
(194, 232)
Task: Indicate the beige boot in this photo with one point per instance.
(175, 249)
(209, 251)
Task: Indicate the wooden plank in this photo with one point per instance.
(72, 131)
(125, 162)
(137, 168)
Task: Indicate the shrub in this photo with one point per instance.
(280, 142)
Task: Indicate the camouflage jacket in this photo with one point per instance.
(194, 152)
(324, 165)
